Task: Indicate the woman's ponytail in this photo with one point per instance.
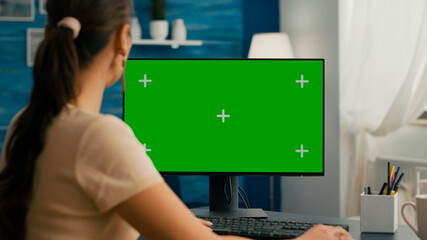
(55, 70)
(54, 74)
(59, 59)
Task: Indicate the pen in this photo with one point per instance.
(396, 174)
(383, 188)
(396, 185)
(395, 178)
(391, 181)
(392, 173)
(388, 176)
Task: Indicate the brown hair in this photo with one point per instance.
(57, 62)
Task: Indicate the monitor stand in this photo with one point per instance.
(224, 200)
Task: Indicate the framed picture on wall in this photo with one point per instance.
(16, 10)
(34, 37)
(42, 6)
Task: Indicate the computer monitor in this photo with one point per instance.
(228, 117)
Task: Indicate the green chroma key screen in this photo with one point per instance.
(235, 116)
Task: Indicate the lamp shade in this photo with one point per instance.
(270, 45)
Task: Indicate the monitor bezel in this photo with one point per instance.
(308, 174)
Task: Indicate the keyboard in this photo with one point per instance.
(261, 228)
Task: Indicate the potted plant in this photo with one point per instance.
(159, 27)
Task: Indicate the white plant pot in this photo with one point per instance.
(135, 29)
(159, 29)
(179, 32)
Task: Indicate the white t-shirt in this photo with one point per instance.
(89, 164)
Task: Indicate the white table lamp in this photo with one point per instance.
(270, 45)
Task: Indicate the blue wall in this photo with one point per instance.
(15, 76)
(225, 26)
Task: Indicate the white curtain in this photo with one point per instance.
(383, 77)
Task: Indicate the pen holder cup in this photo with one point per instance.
(378, 213)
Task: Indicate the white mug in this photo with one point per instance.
(421, 210)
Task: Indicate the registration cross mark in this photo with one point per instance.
(145, 80)
(223, 116)
(302, 81)
(302, 151)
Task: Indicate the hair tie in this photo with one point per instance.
(71, 23)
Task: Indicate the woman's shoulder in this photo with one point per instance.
(105, 123)
(100, 127)
(90, 120)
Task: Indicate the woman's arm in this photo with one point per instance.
(157, 213)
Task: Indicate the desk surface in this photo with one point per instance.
(403, 231)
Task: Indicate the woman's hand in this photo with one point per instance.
(318, 232)
(206, 223)
(322, 232)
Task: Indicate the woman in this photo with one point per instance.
(69, 172)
